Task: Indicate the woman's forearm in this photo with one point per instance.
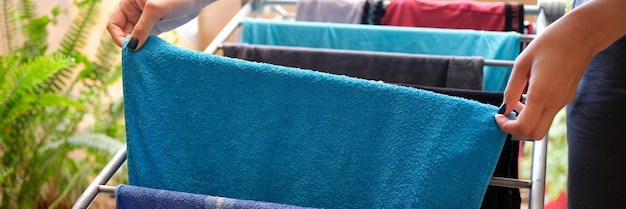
(595, 25)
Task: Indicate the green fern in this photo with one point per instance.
(35, 114)
(102, 71)
(95, 141)
(75, 39)
(12, 22)
(77, 36)
(36, 34)
(35, 72)
(18, 89)
(8, 25)
(27, 9)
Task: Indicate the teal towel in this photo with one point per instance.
(207, 124)
(434, 41)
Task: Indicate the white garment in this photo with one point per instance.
(336, 11)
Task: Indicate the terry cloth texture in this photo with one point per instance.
(401, 68)
(433, 41)
(134, 197)
(491, 16)
(427, 70)
(206, 124)
(495, 197)
(337, 11)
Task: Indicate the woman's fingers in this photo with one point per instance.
(153, 12)
(526, 123)
(116, 27)
(516, 84)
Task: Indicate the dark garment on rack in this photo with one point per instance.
(373, 12)
(337, 11)
(490, 16)
(438, 71)
(433, 41)
(495, 197)
(514, 17)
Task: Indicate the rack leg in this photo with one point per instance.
(103, 177)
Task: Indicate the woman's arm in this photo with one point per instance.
(554, 63)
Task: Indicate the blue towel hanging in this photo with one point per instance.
(206, 124)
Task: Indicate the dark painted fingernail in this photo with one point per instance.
(132, 43)
(502, 108)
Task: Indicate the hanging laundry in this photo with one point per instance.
(428, 70)
(205, 124)
(491, 16)
(337, 11)
(135, 197)
(373, 12)
(433, 41)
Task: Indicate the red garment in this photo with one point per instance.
(446, 14)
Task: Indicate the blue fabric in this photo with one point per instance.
(134, 197)
(207, 124)
(487, 44)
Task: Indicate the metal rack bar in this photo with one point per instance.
(499, 63)
(103, 177)
(106, 189)
(230, 27)
(538, 175)
(512, 183)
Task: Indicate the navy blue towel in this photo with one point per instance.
(134, 197)
(207, 124)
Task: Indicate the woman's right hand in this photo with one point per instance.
(554, 63)
(141, 18)
(552, 66)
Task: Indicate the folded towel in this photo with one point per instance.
(206, 124)
(134, 197)
(434, 41)
(428, 70)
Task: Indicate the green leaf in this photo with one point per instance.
(56, 11)
(53, 100)
(94, 141)
(27, 8)
(9, 25)
(35, 72)
(74, 39)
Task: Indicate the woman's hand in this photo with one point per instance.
(141, 18)
(552, 67)
(554, 63)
